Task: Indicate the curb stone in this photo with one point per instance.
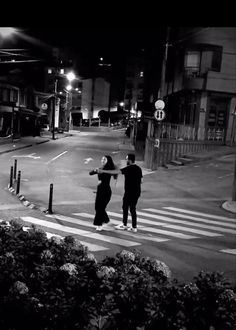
(27, 203)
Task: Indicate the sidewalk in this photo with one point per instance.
(7, 145)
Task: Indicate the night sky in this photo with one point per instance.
(85, 46)
(88, 45)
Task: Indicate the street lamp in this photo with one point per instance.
(5, 32)
(70, 77)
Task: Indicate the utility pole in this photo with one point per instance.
(53, 109)
(164, 61)
(234, 185)
(163, 78)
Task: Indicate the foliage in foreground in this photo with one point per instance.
(48, 284)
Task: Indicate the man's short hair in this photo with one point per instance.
(131, 157)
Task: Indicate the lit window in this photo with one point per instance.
(49, 71)
(192, 60)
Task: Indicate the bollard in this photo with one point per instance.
(18, 183)
(50, 199)
(15, 169)
(11, 177)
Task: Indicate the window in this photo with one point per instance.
(1, 94)
(14, 95)
(192, 59)
(6, 95)
(200, 61)
(216, 60)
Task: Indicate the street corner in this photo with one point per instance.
(22, 198)
(229, 206)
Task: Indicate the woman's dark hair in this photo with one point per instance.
(110, 165)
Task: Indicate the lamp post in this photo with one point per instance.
(70, 77)
(54, 109)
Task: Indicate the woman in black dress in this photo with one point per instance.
(103, 194)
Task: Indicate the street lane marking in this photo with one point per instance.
(154, 230)
(53, 225)
(200, 213)
(57, 157)
(181, 228)
(230, 251)
(91, 247)
(224, 176)
(80, 232)
(28, 156)
(209, 226)
(125, 233)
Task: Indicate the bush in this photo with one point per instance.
(57, 284)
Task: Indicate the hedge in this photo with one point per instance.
(48, 284)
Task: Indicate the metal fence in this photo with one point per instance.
(187, 132)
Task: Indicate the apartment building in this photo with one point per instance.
(200, 86)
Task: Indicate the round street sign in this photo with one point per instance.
(159, 115)
(160, 105)
(44, 106)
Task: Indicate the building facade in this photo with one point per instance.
(200, 86)
(95, 97)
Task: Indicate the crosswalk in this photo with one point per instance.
(155, 226)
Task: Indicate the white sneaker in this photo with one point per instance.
(99, 228)
(121, 227)
(133, 229)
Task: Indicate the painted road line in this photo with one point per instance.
(113, 240)
(125, 233)
(181, 228)
(57, 157)
(192, 224)
(230, 251)
(75, 221)
(206, 215)
(91, 247)
(80, 232)
(155, 230)
(184, 216)
(54, 225)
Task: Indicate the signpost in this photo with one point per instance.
(44, 106)
(159, 115)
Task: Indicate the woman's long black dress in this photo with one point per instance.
(103, 197)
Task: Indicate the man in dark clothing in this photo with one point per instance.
(132, 191)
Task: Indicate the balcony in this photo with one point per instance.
(194, 81)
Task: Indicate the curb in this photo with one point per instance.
(22, 147)
(229, 206)
(25, 202)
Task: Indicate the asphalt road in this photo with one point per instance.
(180, 220)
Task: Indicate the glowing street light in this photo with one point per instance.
(69, 87)
(70, 76)
(6, 31)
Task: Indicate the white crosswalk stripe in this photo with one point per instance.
(154, 225)
(230, 251)
(154, 230)
(188, 223)
(206, 215)
(197, 219)
(80, 232)
(125, 233)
